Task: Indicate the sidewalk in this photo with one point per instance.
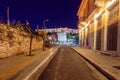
(11, 65)
(107, 64)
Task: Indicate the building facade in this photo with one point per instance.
(64, 36)
(99, 25)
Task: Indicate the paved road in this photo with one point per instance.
(68, 65)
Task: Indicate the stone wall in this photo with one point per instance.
(15, 42)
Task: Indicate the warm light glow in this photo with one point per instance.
(106, 18)
(95, 22)
(110, 3)
(83, 23)
(87, 24)
(99, 3)
(50, 38)
(82, 29)
(97, 15)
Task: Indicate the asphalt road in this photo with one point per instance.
(68, 65)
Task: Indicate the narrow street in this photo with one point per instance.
(68, 65)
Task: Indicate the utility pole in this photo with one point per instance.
(8, 18)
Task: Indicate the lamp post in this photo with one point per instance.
(44, 33)
(44, 26)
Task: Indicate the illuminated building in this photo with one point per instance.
(99, 25)
(64, 36)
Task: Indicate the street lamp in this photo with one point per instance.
(44, 27)
(44, 37)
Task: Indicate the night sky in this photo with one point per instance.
(61, 13)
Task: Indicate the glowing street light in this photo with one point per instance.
(44, 26)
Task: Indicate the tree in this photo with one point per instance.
(31, 36)
(43, 35)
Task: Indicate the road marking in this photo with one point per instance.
(39, 66)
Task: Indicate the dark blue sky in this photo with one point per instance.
(61, 13)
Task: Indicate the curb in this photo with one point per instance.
(105, 73)
(30, 76)
(41, 66)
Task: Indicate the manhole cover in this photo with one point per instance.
(117, 67)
